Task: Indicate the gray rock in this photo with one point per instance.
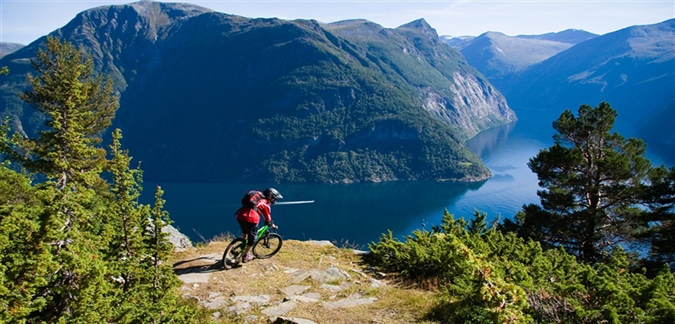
(294, 290)
(240, 308)
(321, 243)
(328, 275)
(215, 303)
(179, 240)
(307, 298)
(351, 301)
(335, 273)
(279, 310)
(332, 288)
(195, 277)
(215, 257)
(262, 300)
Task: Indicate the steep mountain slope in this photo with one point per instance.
(498, 56)
(449, 88)
(633, 69)
(207, 96)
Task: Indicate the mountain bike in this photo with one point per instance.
(266, 245)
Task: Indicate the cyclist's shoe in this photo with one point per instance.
(248, 257)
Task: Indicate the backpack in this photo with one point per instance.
(251, 198)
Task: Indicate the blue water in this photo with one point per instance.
(357, 214)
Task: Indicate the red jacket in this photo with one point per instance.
(249, 214)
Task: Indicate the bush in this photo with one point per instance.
(489, 276)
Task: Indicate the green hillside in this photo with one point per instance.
(206, 96)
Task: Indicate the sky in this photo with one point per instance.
(23, 21)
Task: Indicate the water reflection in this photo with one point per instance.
(490, 140)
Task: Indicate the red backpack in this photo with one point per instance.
(251, 198)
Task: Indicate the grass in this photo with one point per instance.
(396, 303)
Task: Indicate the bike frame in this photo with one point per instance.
(262, 232)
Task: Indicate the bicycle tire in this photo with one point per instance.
(268, 246)
(234, 253)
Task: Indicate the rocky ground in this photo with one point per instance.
(306, 282)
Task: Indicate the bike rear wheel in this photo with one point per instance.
(234, 253)
(267, 246)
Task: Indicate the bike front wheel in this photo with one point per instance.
(234, 253)
(267, 246)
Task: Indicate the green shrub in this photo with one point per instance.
(489, 276)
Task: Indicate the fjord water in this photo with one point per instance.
(356, 214)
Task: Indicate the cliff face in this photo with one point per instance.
(446, 85)
(207, 96)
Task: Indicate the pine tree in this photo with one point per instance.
(75, 248)
(125, 221)
(21, 251)
(78, 108)
(162, 303)
(660, 220)
(594, 185)
(146, 285)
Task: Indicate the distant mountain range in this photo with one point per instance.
(207, 96)
(6, 48)
(498, 56)
(633, 69)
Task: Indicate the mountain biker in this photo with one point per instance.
(249, 218)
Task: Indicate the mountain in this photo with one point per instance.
(413, 54)
(498, 56)
(207, 96)
(633, 69)
(6, 48)
(569, 36)
(457, 42)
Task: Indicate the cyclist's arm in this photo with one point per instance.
(265, 210)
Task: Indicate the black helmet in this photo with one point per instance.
(271, 193)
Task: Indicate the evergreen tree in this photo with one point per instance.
(125, 229)
(78, 107)
(22, 253)
(74, 248)
(145, 285)
(161, 283)
(595, 183)
(660, 220)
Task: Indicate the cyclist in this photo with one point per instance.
(249, 218)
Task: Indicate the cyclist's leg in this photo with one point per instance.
(249, 230)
